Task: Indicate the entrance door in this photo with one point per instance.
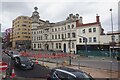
(64, 47)
(46, 46)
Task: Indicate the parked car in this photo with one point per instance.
(23, 63)
(64, 73)
(13, 54)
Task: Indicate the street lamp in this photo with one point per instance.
(70, 60)
(112, 33)
(46, 38)
(70, 52)
(85, 42)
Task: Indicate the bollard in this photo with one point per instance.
(64, 63)
(56, 63)
(78, 64)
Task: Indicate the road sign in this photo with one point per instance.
(3, 66)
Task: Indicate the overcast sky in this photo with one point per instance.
(56, 11)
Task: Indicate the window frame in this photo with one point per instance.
(80, 40)
(73, 35)
(68, 26)
(90, 30)
(90, 39)
(72, 25)
(94, 29)
(83, 31)
(94, 39)
(68, 35)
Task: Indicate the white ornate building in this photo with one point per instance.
(54, 36)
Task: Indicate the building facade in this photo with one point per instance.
(6, 38)
(114, 46)
(91, 36)
(21, 34)
(54, 36)
(70, 35)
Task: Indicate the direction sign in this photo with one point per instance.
(3, 66)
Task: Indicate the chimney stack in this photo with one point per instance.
(80, 21)
(97, 18)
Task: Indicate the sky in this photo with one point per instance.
(58, 10)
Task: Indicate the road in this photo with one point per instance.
(37, 72)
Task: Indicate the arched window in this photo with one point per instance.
(38, 46)
(72, 25)
(68, 26)
(68, 35)
(73, 45)
(52, 36)
(34, 45)
(80, 40)
(62, 36)
(73, 35)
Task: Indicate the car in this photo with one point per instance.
(64, 73)
(23, 62)
(13, 54)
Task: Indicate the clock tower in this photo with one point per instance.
(35, 16)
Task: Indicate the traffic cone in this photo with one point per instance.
(13, 73)
(36, 61)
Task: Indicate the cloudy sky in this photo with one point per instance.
(56, 11)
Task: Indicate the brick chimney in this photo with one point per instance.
(97, 18)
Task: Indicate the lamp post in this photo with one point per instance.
(70, 52)
(112, 33)
(85, 42)
(70, 60)
(46, 45)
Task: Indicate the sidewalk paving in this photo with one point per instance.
(95, 73)
(93, 58)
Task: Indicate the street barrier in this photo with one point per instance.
(45, 55)
(36, 61)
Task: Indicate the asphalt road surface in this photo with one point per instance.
(37, 72)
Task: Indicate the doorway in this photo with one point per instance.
(64, 47)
